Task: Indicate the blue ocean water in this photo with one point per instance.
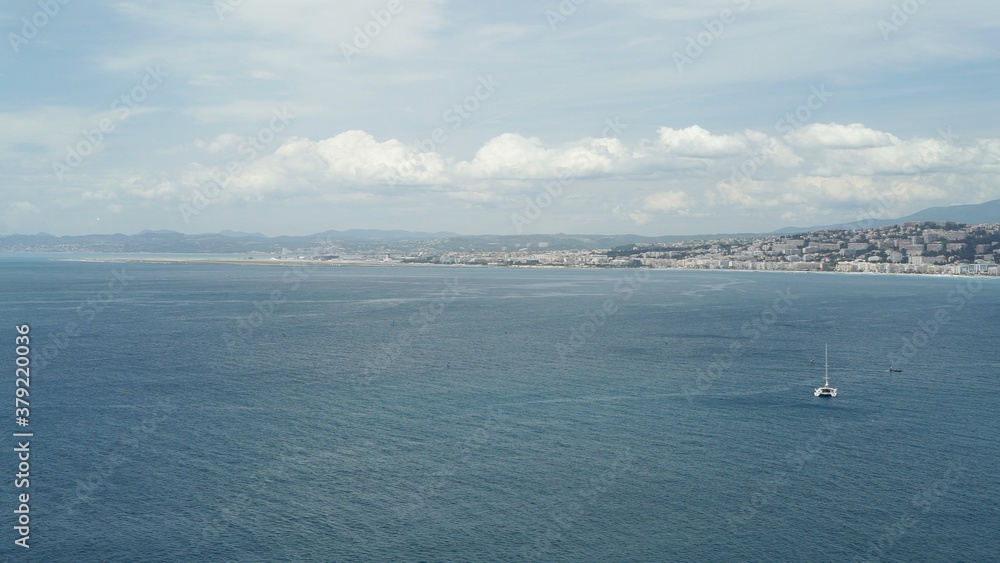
(205, 412)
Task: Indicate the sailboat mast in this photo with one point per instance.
(826, 365)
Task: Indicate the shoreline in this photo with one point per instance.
(364, 263)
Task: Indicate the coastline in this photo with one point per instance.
(371, 263)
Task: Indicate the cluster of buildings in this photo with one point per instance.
(917, 247)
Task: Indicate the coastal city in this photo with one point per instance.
(916, 247)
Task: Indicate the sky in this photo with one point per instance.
(517, 117)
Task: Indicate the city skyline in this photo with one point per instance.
(613, 116)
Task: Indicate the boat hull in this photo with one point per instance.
(825, 392)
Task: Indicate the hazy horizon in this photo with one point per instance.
(234, 232)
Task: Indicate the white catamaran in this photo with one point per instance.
(826, 390)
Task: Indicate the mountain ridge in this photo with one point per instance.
(970, 214)
(400, 241)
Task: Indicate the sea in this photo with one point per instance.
(229, 412)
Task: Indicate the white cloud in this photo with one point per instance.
(249, 112)
(223, 142)
(819, 178)
(23, 207)
(513, 156)
(837, 136)
(673, 201)
(697, 142)
(350, 160)
(263, 75)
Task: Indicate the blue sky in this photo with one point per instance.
(580, 116)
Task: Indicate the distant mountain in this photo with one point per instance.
(975, 214)
(563, 241)
(240, 234)
(160, 232)
(988, 212)
(399, 242)
(375, 234)
(353, 241)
